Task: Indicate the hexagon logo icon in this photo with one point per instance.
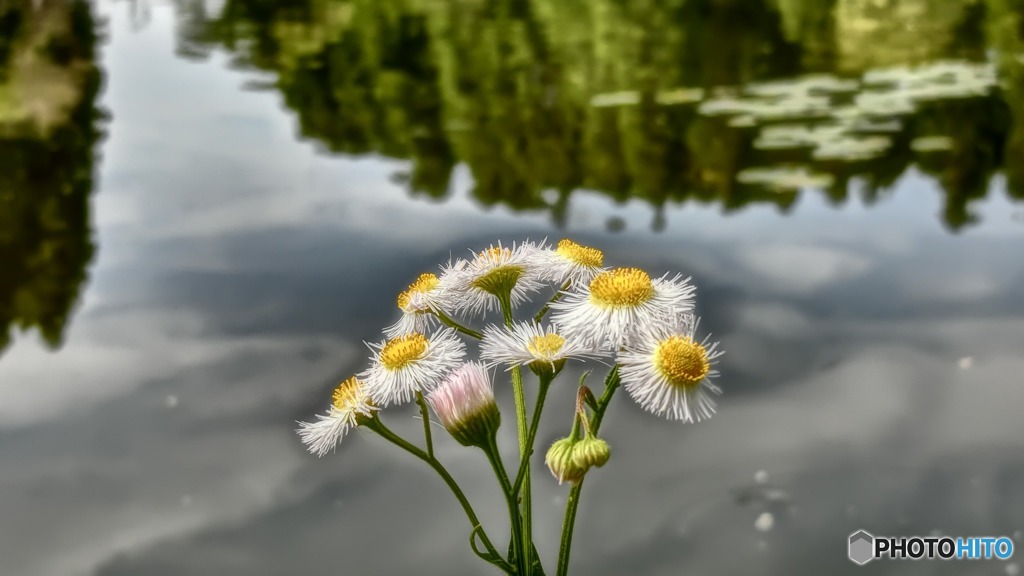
(861, 547)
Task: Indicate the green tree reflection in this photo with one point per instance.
(540, 98)
(48, 132)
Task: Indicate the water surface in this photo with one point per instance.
(193, 254)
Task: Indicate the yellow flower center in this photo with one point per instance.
(547, 346)
(682, 361)
(584, 255)
(403, 350)
(425, 283)
(621, 287)
(346, 394)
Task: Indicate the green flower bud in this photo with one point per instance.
(590, 452)
(561, 463)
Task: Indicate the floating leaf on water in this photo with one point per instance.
(785, 178)
(803, 85)
(778, 88)
(679, 96)
(847, 112)
(943, 79)
(745, 121)
(932, 144)
(833, 84)
(893, 75)
(853, 149)
(933, 92)
(803, 105)
(609, 99)
(725, 106)
(890, 103)
(868, 125)
(763, 143)
(787, 136)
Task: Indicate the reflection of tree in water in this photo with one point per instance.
(507, 87)
(1005, 28)
(48, 129)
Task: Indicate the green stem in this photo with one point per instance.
(555, 298)
(447, 321)
(375, 425)
(524, 463)
(520, 400)
(426, 423)
(567, 528)
(568, 524)
(520, 561)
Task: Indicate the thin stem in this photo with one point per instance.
(377, 426)
(447, 321)
(610, 386)
(520, 400)
(426, 423)
(567, 528)
(555, 298)
(520, 560)
(568, 524)
(542, 392)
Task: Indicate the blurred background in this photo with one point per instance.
(205, 208)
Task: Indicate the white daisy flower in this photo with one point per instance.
(411, 363)
(497, 270)
(426, 295)
(530, 344)
(668, 373)
(570, 263)
(349, 406)
(618, 303)
(465, 404)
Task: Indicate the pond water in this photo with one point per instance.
(205, 209)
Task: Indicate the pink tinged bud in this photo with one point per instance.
(464, 403)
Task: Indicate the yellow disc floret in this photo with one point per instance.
(682, 361)
(546, 347)
(403, 350)
(346, 394)
(621, 287)
(583, 255)
(425, 283)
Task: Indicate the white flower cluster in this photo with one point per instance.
(617, 316)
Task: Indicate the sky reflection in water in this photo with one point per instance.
(872, 369)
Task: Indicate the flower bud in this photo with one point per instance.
(561, 462)
(591, 451)
(465, 404)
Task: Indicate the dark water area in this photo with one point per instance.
(205, 209)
